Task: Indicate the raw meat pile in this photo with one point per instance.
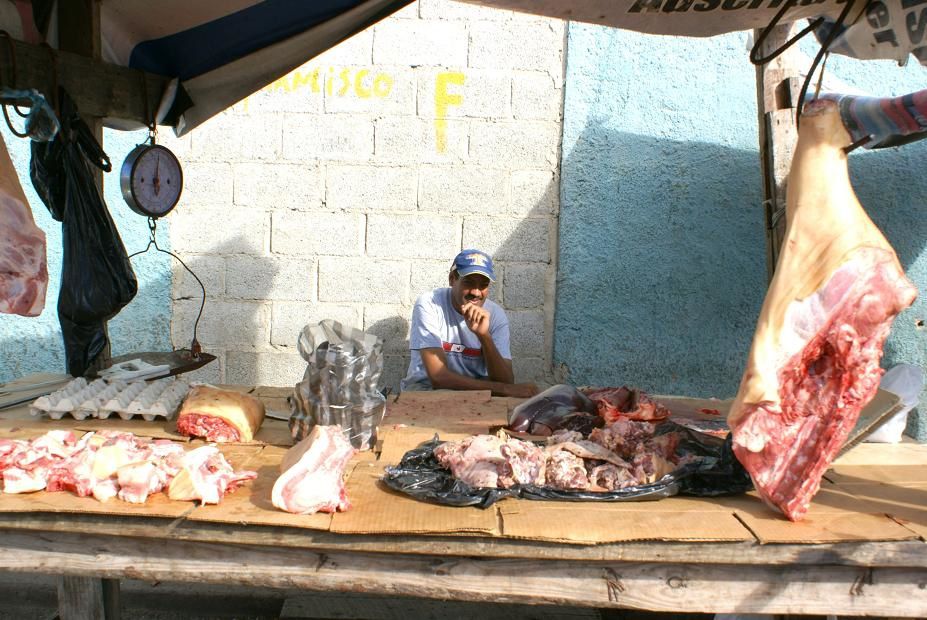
(107, 464)
(623, 454)
(312, 477)
(814, 362)
(629, 403)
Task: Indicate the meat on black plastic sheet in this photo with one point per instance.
(716, 472)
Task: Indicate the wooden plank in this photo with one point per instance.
(99, 89)
(80, 598)
(905, 553)
(707, 588)
(777, 133)
(620, 521)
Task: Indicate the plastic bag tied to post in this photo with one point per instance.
(340, 383)
(97, 279)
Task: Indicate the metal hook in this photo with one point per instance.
(149, 117)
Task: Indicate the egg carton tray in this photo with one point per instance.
(102, 398)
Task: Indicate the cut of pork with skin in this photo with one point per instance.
(312, 477)
(23, 269)
(814, 361)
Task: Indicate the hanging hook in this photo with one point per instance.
(195, 348)
(11, 49)
(149, 117)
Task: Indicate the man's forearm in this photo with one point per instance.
(496, 365)
(447, 379)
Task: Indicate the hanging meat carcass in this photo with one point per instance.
(814, 361)
(23, 272)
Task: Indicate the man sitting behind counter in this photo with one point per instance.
(460, 339)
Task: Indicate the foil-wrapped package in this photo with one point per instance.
(340, 383)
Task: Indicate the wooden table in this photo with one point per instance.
(93, 551)
(845, 578)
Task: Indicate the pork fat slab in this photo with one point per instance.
(313, 473)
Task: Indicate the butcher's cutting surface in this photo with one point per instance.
(874, 492)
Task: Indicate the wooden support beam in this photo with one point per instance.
(80, 598)
(776, 95)
(99, 89)
(673, 587)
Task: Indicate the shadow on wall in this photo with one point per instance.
(662, 260)
(890, 185)
(662, 263)
(236, 322)
(394, 332)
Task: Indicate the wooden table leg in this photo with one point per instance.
(88, 598)
(111, 602)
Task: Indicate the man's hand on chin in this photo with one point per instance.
(477, 319)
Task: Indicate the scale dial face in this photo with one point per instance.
(151, 180)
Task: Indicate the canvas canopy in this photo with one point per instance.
(217, 52)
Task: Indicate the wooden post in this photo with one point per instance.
(79, 26)
(80, 597)
(776, 97)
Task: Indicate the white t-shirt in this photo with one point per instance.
(436, 324)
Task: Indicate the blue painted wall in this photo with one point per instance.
(662, 247)
(34, 344)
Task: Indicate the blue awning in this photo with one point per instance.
(219, 51)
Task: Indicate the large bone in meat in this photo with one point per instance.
(23, 271)
(814, 362)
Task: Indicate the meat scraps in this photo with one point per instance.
(814, 361)
(624, 454)
(109, 464)
(624, 402)
(312, 477)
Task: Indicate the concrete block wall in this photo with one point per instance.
(344, 189)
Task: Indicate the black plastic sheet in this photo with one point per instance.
(716, 472)
(97, 280)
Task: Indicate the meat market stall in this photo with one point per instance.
(860, 551)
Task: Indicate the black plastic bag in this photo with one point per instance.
(97, 280)
(716, 472)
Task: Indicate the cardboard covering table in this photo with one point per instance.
(860, 551)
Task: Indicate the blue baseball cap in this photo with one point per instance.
(474, 261)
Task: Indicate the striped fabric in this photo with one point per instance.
(221, 51)
(883, 122)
